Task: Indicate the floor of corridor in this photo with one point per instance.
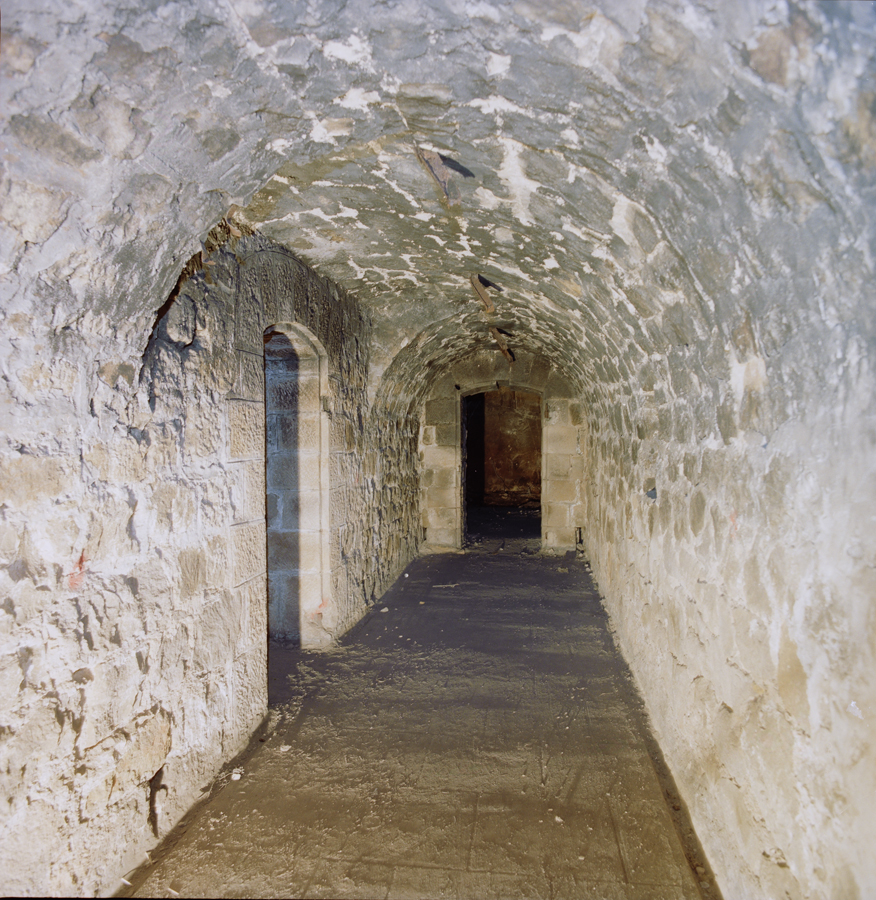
(477, 735)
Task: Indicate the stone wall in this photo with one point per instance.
(135, 586)
(730, 528)
(677, 201)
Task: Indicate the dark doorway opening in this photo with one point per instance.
(282, 476)
(501, 465)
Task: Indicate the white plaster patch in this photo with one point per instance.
(551, 263)
(749, 375)
(487, 199)
(497, 64)
(317, 213)
(655, 150)
(492, 105)
(570, 136)
(220, 91)
(600, 43)
(463, 240)
(482, 10)
(755, 374)
(519, 186)
(621, 221)
(357, 98)
(354, 51)
(389, 84)
(249, 9)
(319, 133)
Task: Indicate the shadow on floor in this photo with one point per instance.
(476, 735)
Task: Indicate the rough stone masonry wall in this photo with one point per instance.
(678, 203)
(134, 567)
(729, 500)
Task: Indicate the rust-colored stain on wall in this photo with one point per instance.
(512, 448)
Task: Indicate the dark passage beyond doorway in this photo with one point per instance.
(501, 452)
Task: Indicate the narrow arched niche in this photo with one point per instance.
(297, 484)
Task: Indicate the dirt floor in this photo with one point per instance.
(477, 735)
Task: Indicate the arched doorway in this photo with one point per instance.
(442, 500)
(297, 485)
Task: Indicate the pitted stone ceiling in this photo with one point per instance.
(634, 176)
(614, 172)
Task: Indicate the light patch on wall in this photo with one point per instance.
(280, 145)
(250, 9)
(357, 98)
(220, 91)
(487, 199)
(746, 376)
(354, 51)
(318, 131)
(655, 150)
(621, 221)
(599, 43)
(497, 64)
(466, 247)
(326, 130)
(514, 177)
(493, 105)
(483, 11)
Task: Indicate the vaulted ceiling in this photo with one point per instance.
(661, 191)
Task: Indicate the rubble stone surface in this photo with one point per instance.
(677, 202)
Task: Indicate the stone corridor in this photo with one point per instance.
(278, 278)
(477, 736)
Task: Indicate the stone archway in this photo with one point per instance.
(441, 487)
(297, 484)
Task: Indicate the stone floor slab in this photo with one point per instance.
(477, 735)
